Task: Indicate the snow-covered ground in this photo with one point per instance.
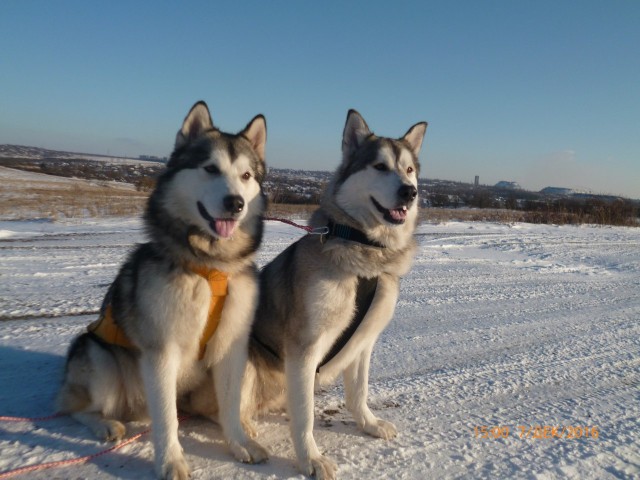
(510, 326)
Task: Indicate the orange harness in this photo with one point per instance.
(108, 330)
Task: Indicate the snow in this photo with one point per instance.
(496, 326)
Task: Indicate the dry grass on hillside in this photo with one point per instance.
(24, 197)
(290, 211)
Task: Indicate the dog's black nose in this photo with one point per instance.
(407, 192)
(233, 203)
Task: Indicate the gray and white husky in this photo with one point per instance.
(204, 218)
(325, 300)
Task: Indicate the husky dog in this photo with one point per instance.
(325, 300)
(153, 341)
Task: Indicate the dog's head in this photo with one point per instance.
(216, 177)
(208, 203)
(377, 181)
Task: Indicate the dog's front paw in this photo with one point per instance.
(381, 429)
(249, 452)
(321, 467)
(176, 469)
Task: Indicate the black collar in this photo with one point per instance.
(351, 234)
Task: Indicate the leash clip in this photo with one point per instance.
(322, 231)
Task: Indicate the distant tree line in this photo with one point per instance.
(597, 211)
(538, 207)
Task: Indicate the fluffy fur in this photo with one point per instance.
(308, 293)
(205, 212)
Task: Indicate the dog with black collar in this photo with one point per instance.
(325, 299)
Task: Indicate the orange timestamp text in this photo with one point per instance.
(536, 432)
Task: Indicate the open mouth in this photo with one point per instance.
(397, 216)
(222, 227)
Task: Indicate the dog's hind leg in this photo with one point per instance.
(88, 396)
(75, 399)
(103, 428)
(356, 390)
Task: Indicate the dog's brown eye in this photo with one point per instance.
(410, 170)
(381, 167)
(246, 176)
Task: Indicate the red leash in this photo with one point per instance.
(289, 222)
(30, 419)
(306, 228)
(72, 461)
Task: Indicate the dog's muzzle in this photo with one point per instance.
(396, 216)
(223, 227)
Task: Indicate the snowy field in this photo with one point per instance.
(532, 329)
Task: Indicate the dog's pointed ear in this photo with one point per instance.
(256, 133)
(356, 131)
(197, 121)
(415, 135)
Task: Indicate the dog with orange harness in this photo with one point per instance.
(178, 315)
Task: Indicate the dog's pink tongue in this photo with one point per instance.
(398, 213)
(225, 227)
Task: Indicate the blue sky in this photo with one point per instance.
(538, 92)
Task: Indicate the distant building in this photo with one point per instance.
(508, 185)
(477, 182)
